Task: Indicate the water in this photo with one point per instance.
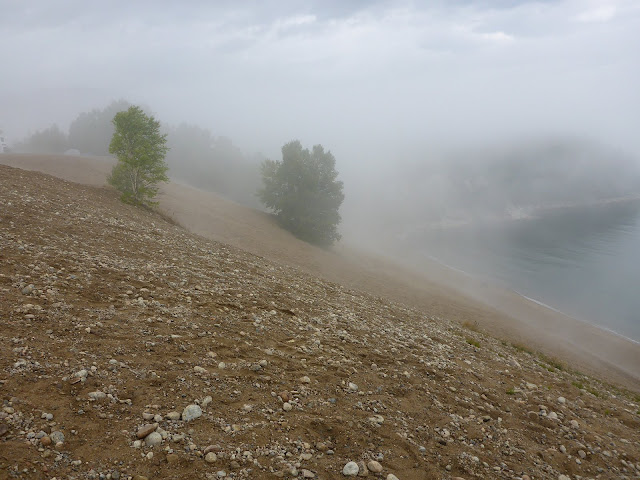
(583, 262)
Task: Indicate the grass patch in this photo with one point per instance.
(473, 326)
(552, 362)
(511, 391)
(522, 348)
(578, 384)
(473, 342)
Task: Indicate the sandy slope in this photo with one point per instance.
(133, 349)
(436, 289)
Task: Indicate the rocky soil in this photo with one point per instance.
(131, 349)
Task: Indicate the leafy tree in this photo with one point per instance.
(140, 148)
(91, 131)
(304, 192)
(49, 140)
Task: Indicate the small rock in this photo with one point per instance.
(564, 477)
(153, 439)
(98, 395)
(199, 369)
(286, 406)
(191, 412)
(308, 474)
(351, 469)
(562, 400)
(362, 469)
(582, 454)
(173, 416)
(45, 441)
(563, 449)
(284, 396)
(352, 387)
(145, 430)
(305, 379)
(374, 466)
(391, 476)
(574, 424)
(212, 448)
(210, 457)
(57, 437)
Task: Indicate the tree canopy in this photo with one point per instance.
(303, 191)
(140, 148)
(91, 131)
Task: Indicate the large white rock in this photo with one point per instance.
(191, 412)
(351, 469)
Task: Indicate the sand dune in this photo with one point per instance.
(432, 288)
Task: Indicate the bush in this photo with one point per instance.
(304, 192)
(140, 149)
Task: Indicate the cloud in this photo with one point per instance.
(604, 13)
(393, 73)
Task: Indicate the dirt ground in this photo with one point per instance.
(118, 326)
(425, 285)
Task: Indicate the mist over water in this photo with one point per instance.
(581, 261)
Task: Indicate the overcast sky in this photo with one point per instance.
(358, 77)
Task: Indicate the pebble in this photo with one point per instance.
(210, 457)
(562, 400)
(286, 406)
(352, 387)
(374, 466)
(191, 412)
(145, 430)
(308, 474)
(391, 476)
(153, 439)
(574, 424)
(173, 416)
(351, 469)
(45, 441)
(305, 379)
(57, 437)
(199, 369)
(582, 454)
(564, 477)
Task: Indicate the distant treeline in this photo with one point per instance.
(196, 156)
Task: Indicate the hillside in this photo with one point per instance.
(425, 286)
(117, 323)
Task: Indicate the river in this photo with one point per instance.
(584, 262)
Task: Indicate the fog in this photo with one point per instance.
(438, 113)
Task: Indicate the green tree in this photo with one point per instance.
(91, 132)
(49, 140)
(140, 148)
(304, 193)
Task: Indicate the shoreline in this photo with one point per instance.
(531, 299)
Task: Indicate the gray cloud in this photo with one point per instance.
(359, 77)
